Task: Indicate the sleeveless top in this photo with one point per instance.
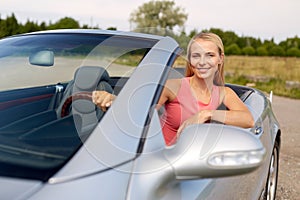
(182, 107)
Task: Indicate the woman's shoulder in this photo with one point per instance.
(228, 90)
(224, 91)
(227, 93)
(174, 80)
(173, 86)
(174, 83)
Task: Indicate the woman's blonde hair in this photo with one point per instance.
(219, 76)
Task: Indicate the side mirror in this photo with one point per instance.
(42, 58)
(214, 150)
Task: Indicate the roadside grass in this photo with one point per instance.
(129, 60)
(278, 86)
(265, 73)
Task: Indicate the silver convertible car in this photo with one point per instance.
(56, 144)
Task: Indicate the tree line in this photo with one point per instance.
(234, 44)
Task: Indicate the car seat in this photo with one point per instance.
(77, 96)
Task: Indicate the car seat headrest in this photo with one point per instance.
(87, 77)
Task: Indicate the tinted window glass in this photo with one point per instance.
(37, 79)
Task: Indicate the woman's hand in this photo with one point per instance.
(199, 118)
(103, 99)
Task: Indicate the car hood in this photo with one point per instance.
(18, 188)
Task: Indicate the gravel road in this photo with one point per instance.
(288, 114)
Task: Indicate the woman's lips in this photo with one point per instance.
(203, 69)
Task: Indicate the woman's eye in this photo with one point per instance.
(195, 56)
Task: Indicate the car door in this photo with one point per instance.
(20, 103)
(239, 186)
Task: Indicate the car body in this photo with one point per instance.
(56, 144)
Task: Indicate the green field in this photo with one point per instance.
(278, 74)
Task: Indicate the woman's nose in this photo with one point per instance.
(202, 60)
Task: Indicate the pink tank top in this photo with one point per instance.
(182, 107)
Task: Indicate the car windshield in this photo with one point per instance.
(39, 131)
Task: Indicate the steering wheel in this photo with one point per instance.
(80, 95)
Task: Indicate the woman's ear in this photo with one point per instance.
(222, 58)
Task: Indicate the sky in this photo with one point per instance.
(264, 19)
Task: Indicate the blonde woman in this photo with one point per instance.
(195, 98)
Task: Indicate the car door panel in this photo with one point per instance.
(24, 103)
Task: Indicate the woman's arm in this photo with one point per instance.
(169, 91)
(237, 114)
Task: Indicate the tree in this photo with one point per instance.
(268, 44)
(158, 16)
(277, 51)
(293, 52)
(233, 49)
(66, 22)
(29, 27)
(193, 33)
(261, 51)
(248, 50)
(112, 28)
(9, 26)
(228, 37)
(290, 43)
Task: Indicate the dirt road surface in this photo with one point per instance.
(287, 112)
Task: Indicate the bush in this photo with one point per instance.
(261, 51)
(249, 51)
(277, 51)
(233, 49)
(293, 52)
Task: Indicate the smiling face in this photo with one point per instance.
(205, 58)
